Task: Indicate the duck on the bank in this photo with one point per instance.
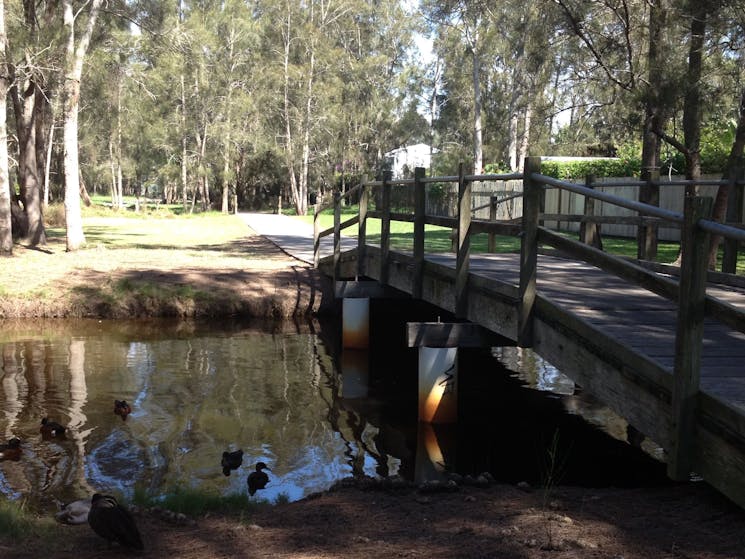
(231, 461)
(11, 450)
(51, 429)
(122, 408)
(258, 479)
(113, 522)
(75, 512)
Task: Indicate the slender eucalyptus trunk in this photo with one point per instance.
(74, 57)
(184, 186)
(6, 226)
(478, 146)
(289, 152)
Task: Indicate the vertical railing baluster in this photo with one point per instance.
(385, 230)
(532, 201)
(337, 234)
(689, 337)
(464, 244)
(492, 242)
(419, 215)
(734, 215)
(362, 228)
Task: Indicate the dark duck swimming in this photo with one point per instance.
(258, 479)
(113, 522)
(231, 461)
(11, 450)
(122, 408)
(51, 429)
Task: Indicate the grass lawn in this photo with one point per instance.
(437, 239)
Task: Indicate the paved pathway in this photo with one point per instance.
(292, 235)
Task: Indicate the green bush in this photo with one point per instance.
(573, 170)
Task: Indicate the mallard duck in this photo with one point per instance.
(75, 512)
(122, 408)
(11, 450)
(51, 429)
(258, 479)
(113, 522)
(231, 461)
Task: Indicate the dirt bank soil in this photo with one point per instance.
(249, 277)
(683, 521)
(497, 522)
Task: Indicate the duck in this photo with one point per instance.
(11, 450)
(113, 522)
(50, 429)
(122, 408)
(231, 461)
(258, 479)
(75, 512)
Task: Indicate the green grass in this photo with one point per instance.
(16, 522)
(196, 503)
(438, 239)
(202, 230)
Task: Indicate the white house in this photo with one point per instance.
(409, 157)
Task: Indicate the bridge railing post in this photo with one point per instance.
(419, 216)
(646, 235)
(689, 336)
(362, 228)
(317, 233)
(464, 244)
(385, 229)
(337, 234)
(533, 195)
(589, 231)
(491, 242)
(734, 215)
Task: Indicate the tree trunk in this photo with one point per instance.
(478, 146)
(184, 178)
(692, 103)
(525, 135)
(653, 121)
(289, 152)
(6, 227)
(733, 169)
(74, 58)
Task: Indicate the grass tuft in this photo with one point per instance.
(194, 502)
(16, 522)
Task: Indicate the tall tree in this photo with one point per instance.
(74, 58)
(6, 230)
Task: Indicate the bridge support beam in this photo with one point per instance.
(356, 295)
(438, 345)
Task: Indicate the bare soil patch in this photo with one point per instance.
(358, 519)
(499, 521)
(251, 277)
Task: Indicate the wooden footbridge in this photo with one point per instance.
(664, 347)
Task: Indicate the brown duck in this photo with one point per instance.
(122, 408)
(11, 450)
(113, 522)
(51, 429)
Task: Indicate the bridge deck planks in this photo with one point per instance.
(635, 317)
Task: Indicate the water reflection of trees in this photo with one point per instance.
(195, 392)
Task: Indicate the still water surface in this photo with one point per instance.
(286, 395)
(196, 390)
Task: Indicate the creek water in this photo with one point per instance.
(280, 392)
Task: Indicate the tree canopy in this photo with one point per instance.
(262, 103)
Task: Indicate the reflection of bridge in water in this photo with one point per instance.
(664, 354)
